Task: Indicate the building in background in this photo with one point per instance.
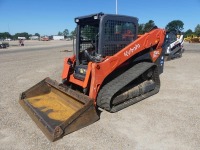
(21, 38)
(58, 37)
(34, 37)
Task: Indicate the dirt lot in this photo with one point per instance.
(167, 120)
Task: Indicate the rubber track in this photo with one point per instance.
(108, 90)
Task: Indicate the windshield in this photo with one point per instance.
(88, 36)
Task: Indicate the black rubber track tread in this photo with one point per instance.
(108, 90)
(141, 97)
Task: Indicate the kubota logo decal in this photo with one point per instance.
(156, 54)
(131, 50)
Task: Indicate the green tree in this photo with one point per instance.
(188, 33)
(149, 25)
(37, 34)
(5, 35)
(175, 25)
(23, 34)
(60, 33)
(73, 33)
(66, 33)
(197, 30)
(145, 27)
(141, 28)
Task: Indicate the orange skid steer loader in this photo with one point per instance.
(112, 68)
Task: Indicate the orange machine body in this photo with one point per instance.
(97, 72)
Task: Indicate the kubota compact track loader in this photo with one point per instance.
(112, 68)
(175, 46)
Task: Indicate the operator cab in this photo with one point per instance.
(103, 35)
(100, 35)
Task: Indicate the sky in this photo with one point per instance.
(48, 17)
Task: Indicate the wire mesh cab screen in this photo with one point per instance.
(116, 33)
(88, 35)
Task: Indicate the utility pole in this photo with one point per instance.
(116, 7)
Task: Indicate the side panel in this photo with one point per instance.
(101, 70)
(66, 67)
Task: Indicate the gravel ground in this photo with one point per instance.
(167, 120)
